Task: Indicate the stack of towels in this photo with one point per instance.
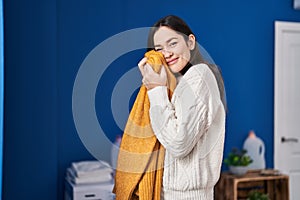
(89, 172)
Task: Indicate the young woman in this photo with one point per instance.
(191, 126)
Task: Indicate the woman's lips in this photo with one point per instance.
(173, 61)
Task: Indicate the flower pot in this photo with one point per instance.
(238, 170)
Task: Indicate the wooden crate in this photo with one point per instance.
(232, 187)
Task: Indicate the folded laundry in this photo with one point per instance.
(91, 168)
(89, 172)
(100, 178)
(89, 179)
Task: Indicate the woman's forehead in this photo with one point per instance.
(165, 34)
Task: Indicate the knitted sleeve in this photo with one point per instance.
(179, 124)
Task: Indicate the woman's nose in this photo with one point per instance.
(167, 53)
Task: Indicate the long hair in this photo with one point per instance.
(177, 24)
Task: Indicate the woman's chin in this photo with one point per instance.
(175, 68)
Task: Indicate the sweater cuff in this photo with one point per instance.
(158, 96)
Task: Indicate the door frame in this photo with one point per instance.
(280, 28)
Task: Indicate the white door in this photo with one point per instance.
(287, 103)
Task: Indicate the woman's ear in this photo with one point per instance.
(191, 42)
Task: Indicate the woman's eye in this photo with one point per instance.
(158, 49)
(172, 44)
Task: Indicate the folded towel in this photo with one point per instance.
(140, 162)
(91, 168)
(95, 179)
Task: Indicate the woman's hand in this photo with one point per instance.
(151, 79)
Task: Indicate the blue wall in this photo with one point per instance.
(46, 42)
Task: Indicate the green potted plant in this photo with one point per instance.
(238, 161)
(255, 195)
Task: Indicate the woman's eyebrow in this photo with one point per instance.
(172, 38)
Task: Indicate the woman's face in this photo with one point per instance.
(175, 49)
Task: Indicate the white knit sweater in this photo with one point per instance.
(191, 127)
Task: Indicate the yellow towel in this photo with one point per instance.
(140, 161)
